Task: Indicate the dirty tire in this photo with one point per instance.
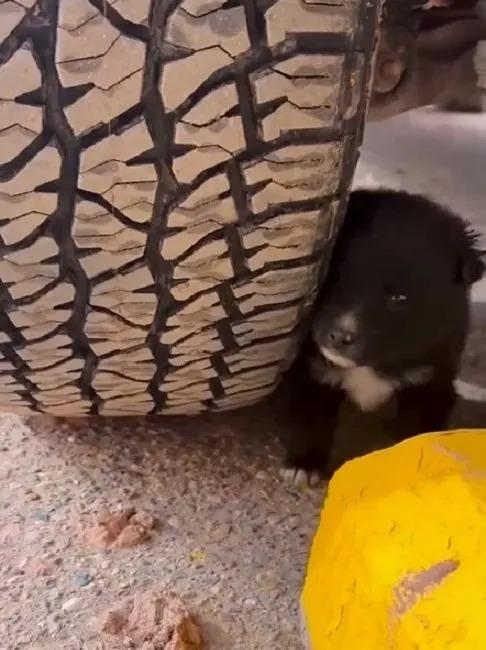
(172, 174)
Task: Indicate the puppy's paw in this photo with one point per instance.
(300, 478)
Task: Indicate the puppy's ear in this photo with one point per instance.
(471, 266)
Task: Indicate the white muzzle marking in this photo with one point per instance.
(336, 358)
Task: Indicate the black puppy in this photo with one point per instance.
(391, 318)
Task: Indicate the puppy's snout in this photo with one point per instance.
(340, 338)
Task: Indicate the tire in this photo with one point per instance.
(172, 175)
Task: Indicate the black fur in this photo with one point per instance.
(402, 268)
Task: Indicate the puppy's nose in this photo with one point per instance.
(340, 338)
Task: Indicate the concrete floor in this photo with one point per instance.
(441, 155)
(230, 538)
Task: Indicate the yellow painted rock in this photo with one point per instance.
(399, 559)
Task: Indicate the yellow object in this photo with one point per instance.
(399, 559)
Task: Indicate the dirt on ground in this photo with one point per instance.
(121, 528)
(94, 512)
(151, 620)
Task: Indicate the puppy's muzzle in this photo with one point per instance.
(339, 339)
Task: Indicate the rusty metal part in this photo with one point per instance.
(427, 60)
(480, 59)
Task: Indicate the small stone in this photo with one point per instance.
(52, 625)
(98, 537)
(220, 531)
(293, 522)
(32, 496)
(24, 639)
(131, 536)
(70, 604)
(39, 567)
(25, 596)
(115, 522)
(114, 622)
(143, 519)
(273, 519)
(40, 515)
(82, 579)
(174, 522)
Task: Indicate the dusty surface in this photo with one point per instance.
(219, 529)
(228, 537)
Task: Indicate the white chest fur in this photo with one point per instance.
(363, 385)
(366, 389)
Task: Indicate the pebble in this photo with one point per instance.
(24, 639)
(40, 515)
(220, 531)
(52, 625)
(273, 519)
(175, 522)
(293, 522)
(82, 579)
(70, 604)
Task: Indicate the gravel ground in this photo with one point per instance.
(229, 537)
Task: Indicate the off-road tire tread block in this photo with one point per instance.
(172, 174)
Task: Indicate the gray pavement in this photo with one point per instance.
(440, 155)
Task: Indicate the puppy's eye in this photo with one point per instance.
(398, 299)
